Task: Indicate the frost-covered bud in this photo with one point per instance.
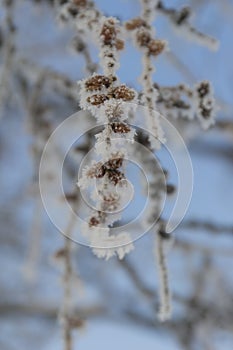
(121, 128)
(143, 37)
(97, 100)
(98, 82)
(109, 34)
(124, 93)
(135, 23)
(156, 47)
(205, 104)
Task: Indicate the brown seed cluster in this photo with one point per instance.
(143, 36)
(206, 105)
(109, 35)
(156, 47)
(121, 128)
(206, 109)
(99, 217)
(120, 45)
(97, 100)
(124, 93)
(111, 198)
(94, 221)
(121, 92)
(114, 163)
(109, 168)
(98, 82)
(115, 176)
(203, 89)
(97, 171)
(135, 23)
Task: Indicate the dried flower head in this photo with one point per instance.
(98, 82)
(120, 44)
(156, 47)
(121, 128)
(135, 23)
(115, 176)
(94, 221)
(203, 89)
(124, 93)
(143, 37)
(113, 163)
(97, 100)
(96, 171)
(109, 34)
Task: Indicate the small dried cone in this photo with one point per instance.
(156, 47)
(93, 222)
(143, 38)
(135, 23)
(114, 163)
(97, 100)
(108, 33)
(124, 93)
(203, 89)
(97, 171)
(115, 176)
(98, 82)
(120, 45)
(120, 128)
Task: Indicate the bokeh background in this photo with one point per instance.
(115, 301)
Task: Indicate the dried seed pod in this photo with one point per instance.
(120, 44)
(114, 163)
(94, 222)
(115, 176)
(98, 82)
(97, 171)
(206, 108)
(135, 23)
(120, 128)
(97, 100)
(111, 198)
(143, 38)
(108, 32)
(124, 93)
(156, 47)
(203, 89)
